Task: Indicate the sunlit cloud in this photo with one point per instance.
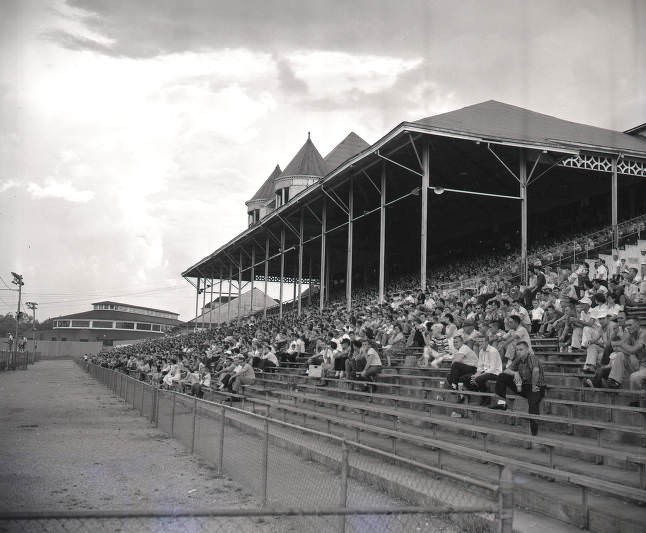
(61, 190)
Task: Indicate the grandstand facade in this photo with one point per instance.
(501, 176)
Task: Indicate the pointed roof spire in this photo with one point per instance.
(347, 148)
(306, 162)
(266, 191)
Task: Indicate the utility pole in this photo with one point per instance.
(17, 280)
(33, 306)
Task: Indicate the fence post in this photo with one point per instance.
(506, 500)
(153, 406)
(343, 493)
(221, 450)
(143, 387)
(172, 417)
(265, 462)
(194, 421)
(157, 407)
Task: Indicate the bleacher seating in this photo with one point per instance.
(587, 466)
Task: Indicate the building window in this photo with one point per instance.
(108, 342)
(103, 324)
(63, 324)
(80, 323)
(156, 327)
(63, 339)
(125, 325)
(82, 340)
(282, 196)
(145, 327)
(254, 217)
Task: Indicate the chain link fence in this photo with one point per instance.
(305, 479)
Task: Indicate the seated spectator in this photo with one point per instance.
(525, 375)
(464, 365)
(516, 333)
(268, 360)
(242, 375)
(629, 353)
(599, 345)
(357, 360)
(174, 374)
(395, 343)
(489, 367)
(341, 357)
(536, 315)
(203, 381)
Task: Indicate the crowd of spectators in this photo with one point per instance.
(483, 334)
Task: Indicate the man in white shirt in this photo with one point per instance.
(489, 366)
(464, 365)
(601, 272)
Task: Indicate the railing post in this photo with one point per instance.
(172, 417)
(156, 407)
(343, 492)
(265, 462)
(153, 399)
(194, 421)
(506, 500)
(221, 450)
(141, 411)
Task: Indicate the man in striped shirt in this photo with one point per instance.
(525, 375)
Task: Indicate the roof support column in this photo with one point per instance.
(229, 302)
(615, 232)
(264, 305)
(211, 306)
(253, 275)
(300, 265)
(426, 172)
(220, 295)
(348, 270)
(197, 302)
(522, 176)
(239, 288)
(203, 301)
(309, 283)
(382, 236)
(323, 284)
(282, 269)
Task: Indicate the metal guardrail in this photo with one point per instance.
(330, 483)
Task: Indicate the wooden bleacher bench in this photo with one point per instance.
(397, 434)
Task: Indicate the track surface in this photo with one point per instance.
(68, 444)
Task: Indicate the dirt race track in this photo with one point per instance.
(67, 444)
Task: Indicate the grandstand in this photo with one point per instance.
(428, 257)
(503, 177)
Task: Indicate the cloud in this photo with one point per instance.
(61, 190)
(8, 184)
(288, 81)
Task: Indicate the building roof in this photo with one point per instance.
(306, 162)
(497, 120)
(118, 315)
(135, 307)
(221, 312)
(348, 147)
(266, 191)
(637, 130)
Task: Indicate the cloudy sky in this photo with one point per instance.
(132, 132)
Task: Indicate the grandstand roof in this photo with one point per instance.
(118, 315)
(306, 162)
(497, 120)
(266, 191)
(348, 147)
